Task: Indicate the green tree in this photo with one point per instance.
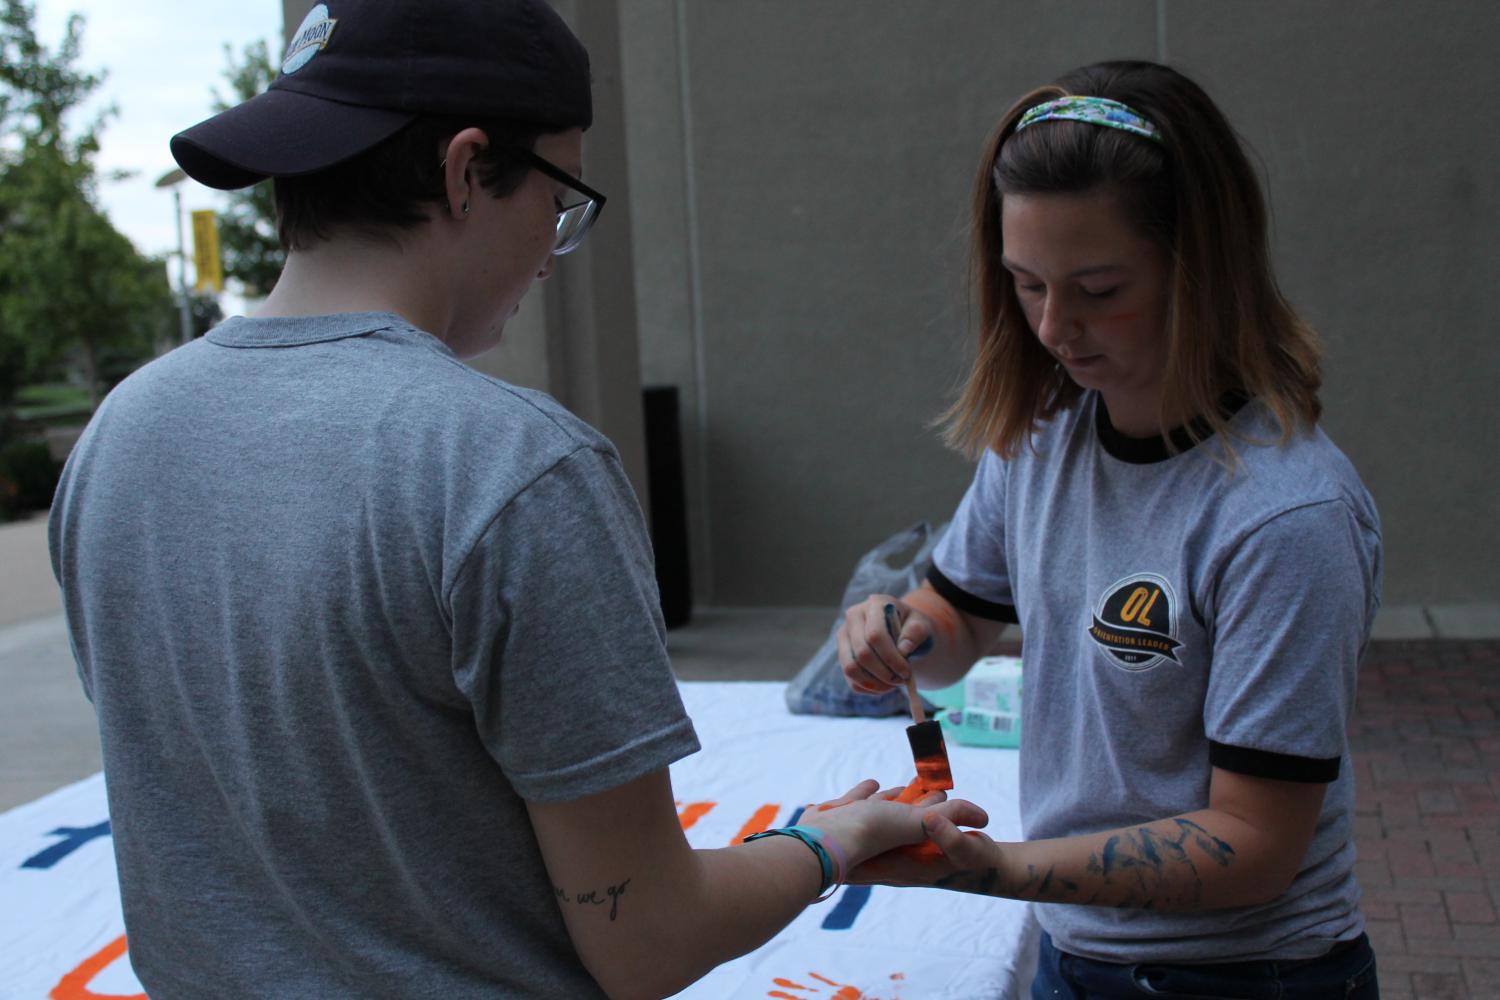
(71, 286)
(247, 225)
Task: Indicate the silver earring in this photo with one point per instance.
(465, 208)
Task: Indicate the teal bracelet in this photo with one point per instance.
(832, 877)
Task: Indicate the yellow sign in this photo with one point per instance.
(206, 259)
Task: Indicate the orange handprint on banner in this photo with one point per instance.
(842, 991)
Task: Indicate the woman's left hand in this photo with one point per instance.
(947, 857)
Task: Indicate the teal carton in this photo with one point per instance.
(985, 708)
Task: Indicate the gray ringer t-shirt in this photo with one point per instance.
(342, 604)
(1178, 616)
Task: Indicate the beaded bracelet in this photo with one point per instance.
(831, 860)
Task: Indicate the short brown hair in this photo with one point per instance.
(1230, 330)
(391, 185)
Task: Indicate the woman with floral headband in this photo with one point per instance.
(1194, 565)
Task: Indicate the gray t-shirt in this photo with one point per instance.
(1178, 615)
(341, 603)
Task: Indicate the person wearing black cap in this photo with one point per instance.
(373, 638)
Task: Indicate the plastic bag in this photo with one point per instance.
(895, 566)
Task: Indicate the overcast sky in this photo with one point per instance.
(162, 59)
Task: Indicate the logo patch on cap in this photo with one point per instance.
(310, 39)
(1135, 622)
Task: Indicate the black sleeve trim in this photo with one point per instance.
(1278, 766)
(967, 602)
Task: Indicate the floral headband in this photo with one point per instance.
(1094, 110)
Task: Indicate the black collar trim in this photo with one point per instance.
(1145, 451)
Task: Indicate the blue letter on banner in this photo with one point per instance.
(74, 837)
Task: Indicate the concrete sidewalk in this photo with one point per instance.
(27, 590)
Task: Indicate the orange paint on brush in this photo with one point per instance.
(75, 985)
(762, 820)
(694, 812)
(932, 776)
(935, 772)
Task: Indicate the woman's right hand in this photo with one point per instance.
(871, 662)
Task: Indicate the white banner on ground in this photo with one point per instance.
(62, 936)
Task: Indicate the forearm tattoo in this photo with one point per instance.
(594, 897)
(1142, 868)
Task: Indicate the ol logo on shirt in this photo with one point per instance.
(1135, 622)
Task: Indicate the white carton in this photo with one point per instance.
(991, 712)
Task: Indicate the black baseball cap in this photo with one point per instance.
(358, 71)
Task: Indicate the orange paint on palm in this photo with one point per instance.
(762, 820)
(693, 813)
(75, 985)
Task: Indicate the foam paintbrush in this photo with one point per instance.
(925, 735)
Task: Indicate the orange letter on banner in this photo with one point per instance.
(762, 819)
(75, 985)
(694, 812)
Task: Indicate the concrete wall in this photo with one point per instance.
(800, 174)
(1382, 176)
(789, 190)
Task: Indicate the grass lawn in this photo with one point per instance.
(53, 401)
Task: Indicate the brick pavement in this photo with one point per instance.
(1427, 766)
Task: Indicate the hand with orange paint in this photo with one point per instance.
(937, 642)
(648, 913)
(866, 822)
(874, 663)
(947, 852)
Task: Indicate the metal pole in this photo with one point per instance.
(184, 308)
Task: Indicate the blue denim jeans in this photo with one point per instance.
(1348, 971)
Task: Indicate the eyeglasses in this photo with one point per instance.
(573, 221)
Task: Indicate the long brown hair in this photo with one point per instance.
(1229, 329)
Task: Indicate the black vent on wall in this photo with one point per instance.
(669, 534)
